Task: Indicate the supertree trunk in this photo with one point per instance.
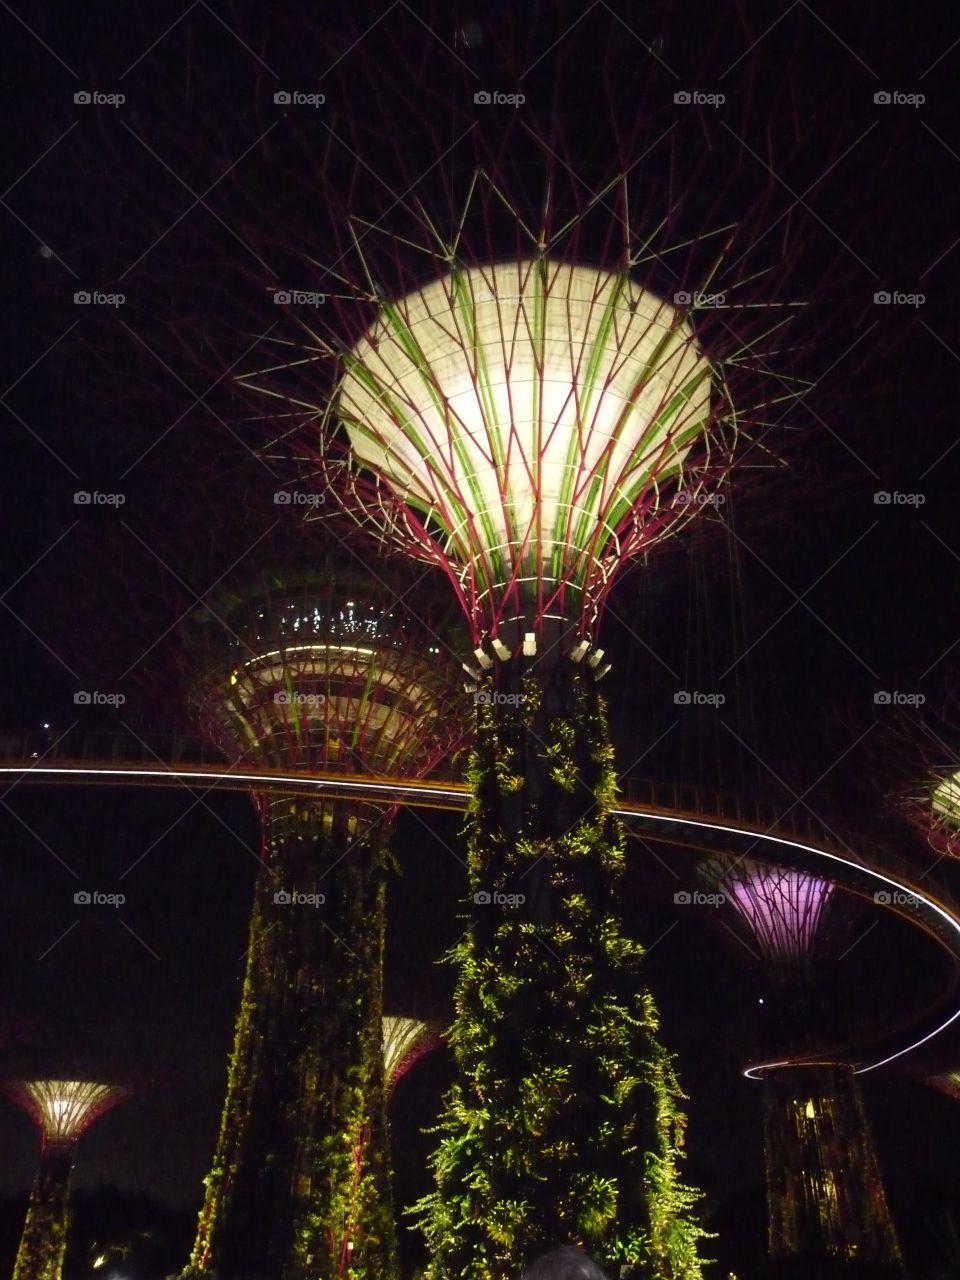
(825, 1196)
(44, 1240)
(564, 1124)
(299, 1186)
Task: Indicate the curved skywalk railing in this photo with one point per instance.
(695, 818)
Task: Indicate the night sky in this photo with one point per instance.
(806, 597)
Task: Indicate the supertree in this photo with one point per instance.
(321, 670)
(405, 1041)
(926, 746)
(528, 416)
(825, 1196)
(947, 1082)
(62, 1110)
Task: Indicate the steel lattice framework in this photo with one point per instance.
(782, 907)
(919, 762)
(542, 419)
(63, 1109)
(405, 1041)
(527, 422)
(936, 810)
(324, 673)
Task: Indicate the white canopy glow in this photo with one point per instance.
(64, 1108)
(540, 414)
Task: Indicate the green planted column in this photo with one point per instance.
(565, 1123)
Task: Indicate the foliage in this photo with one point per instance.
(44, 1240)
(564, 1123)
(300, 1180)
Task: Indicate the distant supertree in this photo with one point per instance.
(825, 1196)
(926, 746)
(524, 408)
(783, 908)
(947, 1082)
(405, 1041)
(321, 670)
(945, 812)
(62, 1111)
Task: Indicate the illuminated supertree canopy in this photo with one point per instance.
(947, 1082)
(543, 417)
(321, 670)
(405, 1041)
(782, 907)
(529, 421)
(917, 760)
(62, 1110)
(935, 808)
(315, 673)
(945, 799)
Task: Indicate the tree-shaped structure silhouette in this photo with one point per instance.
(825, 1196)
(321, 670)
(62, 1111)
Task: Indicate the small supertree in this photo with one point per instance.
(62, 1110)
(926, 744)
(945, 812)
(321, 670)
(947, 1082)
(825, 1196)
